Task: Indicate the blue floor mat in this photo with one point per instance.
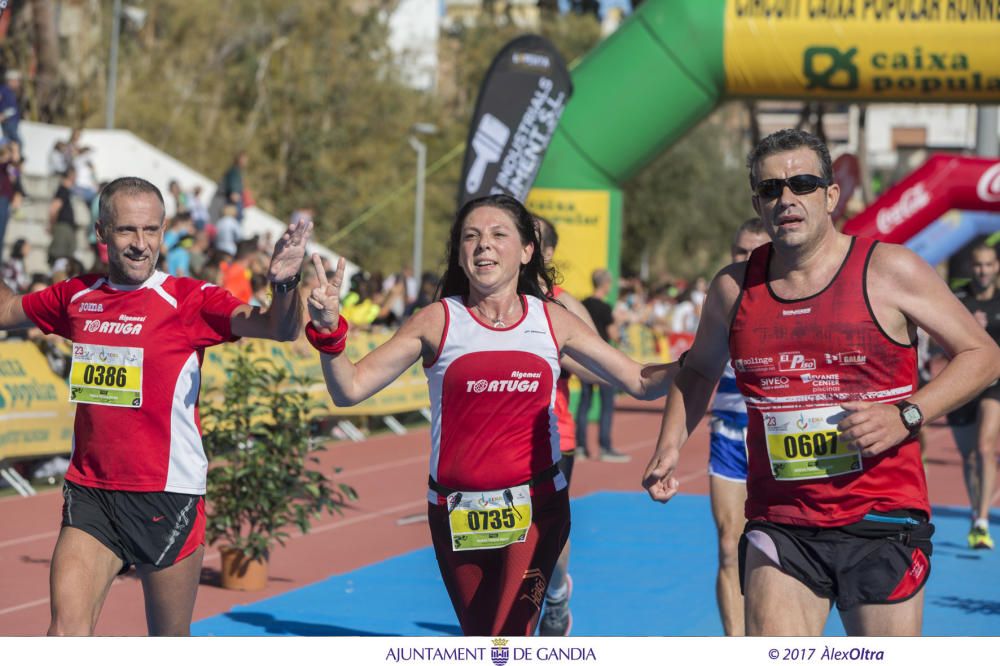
(639, 569)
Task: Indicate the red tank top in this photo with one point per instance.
(796, 361)
(567, 425)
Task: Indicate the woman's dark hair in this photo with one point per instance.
(532, 275)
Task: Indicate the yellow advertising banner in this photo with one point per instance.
(406, 394)
(583, 220)
(917, 50)
(36, 416)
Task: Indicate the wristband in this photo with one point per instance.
(328, 343)
(286, 286)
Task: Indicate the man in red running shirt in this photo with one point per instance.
(134, 491)
(821, 330)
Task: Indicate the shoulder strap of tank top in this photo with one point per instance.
(757, 266)
(858, 256)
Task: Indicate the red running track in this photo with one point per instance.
(390, 474)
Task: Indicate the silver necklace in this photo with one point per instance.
(498, 320)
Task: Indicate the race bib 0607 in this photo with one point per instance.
(805, 444)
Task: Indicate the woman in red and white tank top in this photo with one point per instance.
(498, 507)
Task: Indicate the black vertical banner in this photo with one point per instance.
(520, 102)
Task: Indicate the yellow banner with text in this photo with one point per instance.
(406, 394)
(918, 50)
(583, 219)
(36, 416)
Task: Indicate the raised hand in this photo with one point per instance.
(324, 301)
(290, 251)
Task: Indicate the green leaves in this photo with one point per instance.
(257, 437)
(683, 208)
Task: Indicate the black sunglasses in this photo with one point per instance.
(801, 184)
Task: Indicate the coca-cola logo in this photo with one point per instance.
(912, 201)
(988, 188)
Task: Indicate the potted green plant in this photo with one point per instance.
(263, 477)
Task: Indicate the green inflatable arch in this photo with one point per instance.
(673, 61)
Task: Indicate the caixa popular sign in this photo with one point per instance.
(921, 50)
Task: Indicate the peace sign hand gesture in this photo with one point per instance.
(324, 300)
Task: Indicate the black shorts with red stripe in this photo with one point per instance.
(159, 529)
(499, 592)
(881, 559)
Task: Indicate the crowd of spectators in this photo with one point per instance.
(670, 307)
(207, 240)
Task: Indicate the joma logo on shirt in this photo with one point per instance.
(113, 327)
(501, 386)
(91, 307)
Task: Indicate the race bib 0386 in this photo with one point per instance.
(106, 375)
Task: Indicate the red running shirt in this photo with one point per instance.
(567, 424)
(492, 391)
(795, 362)
(157, 446)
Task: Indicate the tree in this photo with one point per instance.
(684, 206)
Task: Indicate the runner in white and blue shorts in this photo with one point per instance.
(727, 457)
(727, 464)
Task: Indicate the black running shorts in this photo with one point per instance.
(882, 559)
(140, 528)
(968, 413)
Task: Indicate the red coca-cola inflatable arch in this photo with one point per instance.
(943, 183)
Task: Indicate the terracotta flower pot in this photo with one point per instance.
(242, 573)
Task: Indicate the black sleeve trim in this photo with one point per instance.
(868, 304)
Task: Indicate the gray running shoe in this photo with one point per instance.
(615, 457)
(557, 619)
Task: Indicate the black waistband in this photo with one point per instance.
(541, 477)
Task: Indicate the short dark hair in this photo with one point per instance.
(785, 140)
(128, 185)
(753, 225)
(17, 249)
(985, 247)
(455, 282)
(547, 232)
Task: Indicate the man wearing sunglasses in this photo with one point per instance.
(821, 328)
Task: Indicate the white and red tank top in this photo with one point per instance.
(796, 361)
(156, 446)
(493, 393)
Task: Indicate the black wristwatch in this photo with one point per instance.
(911, 415)
(286, 286)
